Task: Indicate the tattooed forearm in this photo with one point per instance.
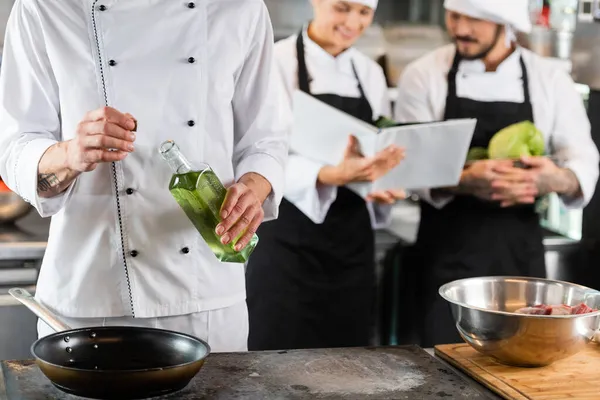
(54, 177)
(564, 183)
(48, 182)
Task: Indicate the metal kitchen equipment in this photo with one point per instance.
(12, 207)
(483, 312)
(556, 40)
(114, 362)
(22, 248)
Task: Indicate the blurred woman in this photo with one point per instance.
(310, 281)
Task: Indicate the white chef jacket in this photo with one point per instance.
(330, 75)
(558, 109)
(210, 62)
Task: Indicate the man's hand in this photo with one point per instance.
(104, 135)
(387, 196)
(242, 210)
(99, 132)
(550, 178)
(521, 186)
(357, 168)
(477, 180)
(515, 186)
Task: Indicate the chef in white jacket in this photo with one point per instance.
(310, 282)
(75, 75)
(488, 225)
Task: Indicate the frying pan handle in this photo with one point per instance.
(24, 297)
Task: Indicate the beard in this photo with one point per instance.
(485, 50)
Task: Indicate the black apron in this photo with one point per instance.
(311, 285)
(471, 237)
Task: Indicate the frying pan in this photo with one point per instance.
(112, 362)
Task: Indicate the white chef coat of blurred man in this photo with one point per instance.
(488, 225)
(310, 282)
(75, 74)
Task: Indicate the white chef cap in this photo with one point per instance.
(369, 3)
(512, 13)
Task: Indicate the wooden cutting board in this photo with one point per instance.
(576, 377)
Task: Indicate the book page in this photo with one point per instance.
(321, 132)
(435, 154)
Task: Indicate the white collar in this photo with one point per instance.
(510, 66)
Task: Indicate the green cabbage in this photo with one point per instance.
(477, 153)
(515, 141)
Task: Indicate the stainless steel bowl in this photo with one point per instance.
(483, 309)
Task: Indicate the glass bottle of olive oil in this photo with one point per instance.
(200, 194)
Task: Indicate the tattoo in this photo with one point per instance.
(565, 183)
(47, 182)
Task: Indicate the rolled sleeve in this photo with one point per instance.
(304, 191)
(26, 178)
(269, 167)
(381, 215)
(438, 201)
(587, 181)
(29, 108)
(572, 140)
(262, 115)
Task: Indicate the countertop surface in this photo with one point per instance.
(358, 373)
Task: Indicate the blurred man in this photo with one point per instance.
(488, 224)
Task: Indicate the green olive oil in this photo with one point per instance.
(200, 194)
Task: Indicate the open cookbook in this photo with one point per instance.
(435, 152)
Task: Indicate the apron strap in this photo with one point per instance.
(527, 95)
(451, 102)
(303, 77)
(303, 80)
(360, 86)
(452, 74)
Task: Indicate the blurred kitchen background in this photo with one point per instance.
(568, 31)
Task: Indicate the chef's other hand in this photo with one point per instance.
(387, 196)
(550, 178)
(514, 186)
(104, 135)
(478, 178)
(357, 168)
(543, 177)
(242, 210)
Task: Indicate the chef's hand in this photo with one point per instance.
(357, 168)
(104, 135)
(100, 131)
(521, 186)
(514, 186)
(477, 180)
(387, 196)
(242, 210)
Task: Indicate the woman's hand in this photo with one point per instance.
(357, 168)
(387, 196)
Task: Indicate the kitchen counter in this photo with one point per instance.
(359, 373)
